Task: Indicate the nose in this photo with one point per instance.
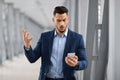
(61, 23)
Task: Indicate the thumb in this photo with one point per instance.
(30, 39)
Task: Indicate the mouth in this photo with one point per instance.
(61, 27)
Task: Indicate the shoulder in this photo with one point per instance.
(48, 33)
(75, 34)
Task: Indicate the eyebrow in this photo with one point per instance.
(62, 19)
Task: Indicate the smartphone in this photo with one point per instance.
(71, 54)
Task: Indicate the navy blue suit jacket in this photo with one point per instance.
(43, 49)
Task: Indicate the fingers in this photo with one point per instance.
(30, 38)
(76, 57)
(26, 38)
(71, 61)
(73, 58)
(26, 35)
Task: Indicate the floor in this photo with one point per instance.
(19, 69)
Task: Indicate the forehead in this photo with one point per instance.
(61, 16)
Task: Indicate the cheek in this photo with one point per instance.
(57, 24)
(66, 23)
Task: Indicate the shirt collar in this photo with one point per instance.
(65, 34)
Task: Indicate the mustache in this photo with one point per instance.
(61, 26)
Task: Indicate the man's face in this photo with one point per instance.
(61, 21)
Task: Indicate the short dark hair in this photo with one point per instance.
(60, 10)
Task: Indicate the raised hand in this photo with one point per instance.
(26, 38)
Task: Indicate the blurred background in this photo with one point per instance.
(96, 20)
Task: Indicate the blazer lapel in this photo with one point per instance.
(51, 37)
(68, 41)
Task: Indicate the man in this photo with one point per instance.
(57, 48)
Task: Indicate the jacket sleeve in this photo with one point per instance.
(81, 53)
(34, 54)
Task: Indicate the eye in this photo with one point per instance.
(58, 20)
(64, 20)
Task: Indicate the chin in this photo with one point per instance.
(62, 31)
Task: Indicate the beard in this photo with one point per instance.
(61, 29)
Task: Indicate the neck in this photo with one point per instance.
(60, 33)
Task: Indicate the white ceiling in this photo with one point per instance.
(39, 10)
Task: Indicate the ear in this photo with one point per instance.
(53, 19)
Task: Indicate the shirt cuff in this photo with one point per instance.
(27, 49)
